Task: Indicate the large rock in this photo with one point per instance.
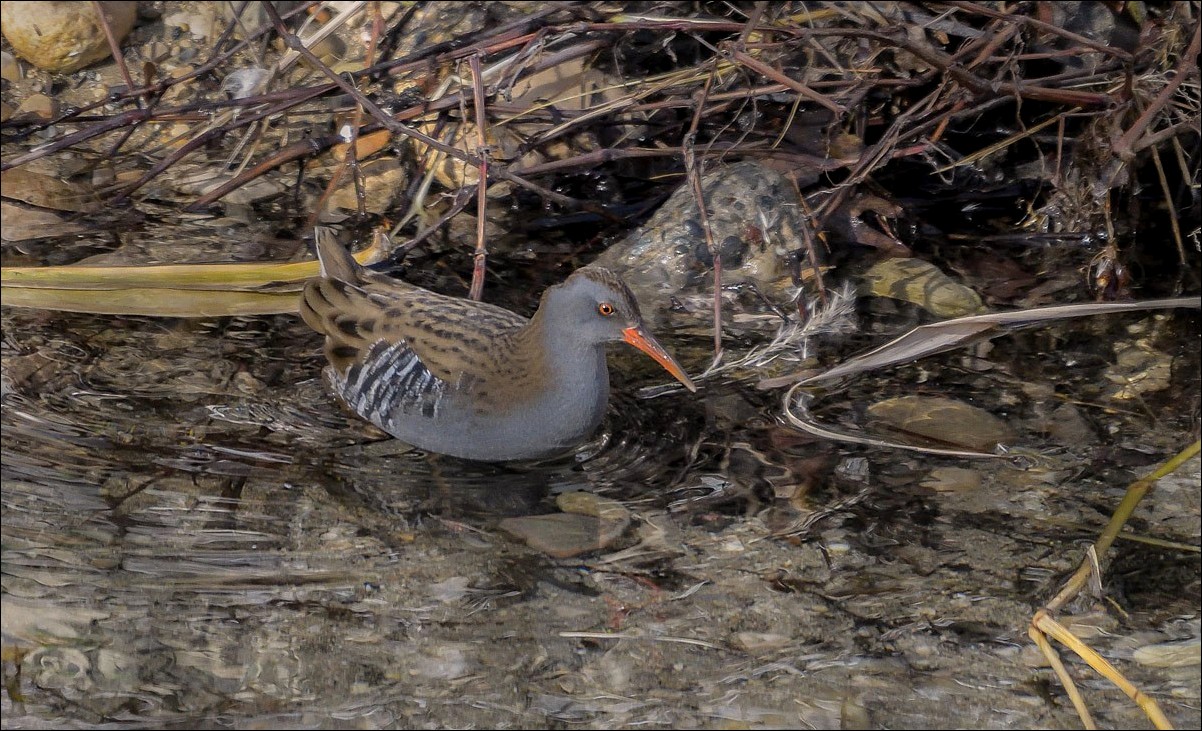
(64, 36)
(755, 217)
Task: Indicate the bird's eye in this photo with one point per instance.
(606, 309)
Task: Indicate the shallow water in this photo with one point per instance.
(195, 535)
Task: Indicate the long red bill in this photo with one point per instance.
(641, 339)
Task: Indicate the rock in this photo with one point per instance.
(589, 523)
(754, 216)
(923, 284)
(46, 191)
(560, 535)
(64, 36)
(18, 223)
(613, 517)
(10, 70)
(195, 19)
(38, 106)
(944, 420)
(1139, 369)
(1067, 425)
(952, 479)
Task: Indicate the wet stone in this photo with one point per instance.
(1067, 425)
(1140, 369)
(559, 535)
(38, 106)
(952, 479)
(945, 420)
(10, 70)
(754, 217)
(922, 283)
(63, 37)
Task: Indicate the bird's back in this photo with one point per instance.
(442, 373)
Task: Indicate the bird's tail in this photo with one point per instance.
(336, 261)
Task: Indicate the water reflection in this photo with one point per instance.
(195, 535)
(185, 509)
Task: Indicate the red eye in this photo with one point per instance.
(605, 308)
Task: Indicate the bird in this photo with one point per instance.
(469, 379)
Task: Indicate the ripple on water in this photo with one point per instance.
(193, 529)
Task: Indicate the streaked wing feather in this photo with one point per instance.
(355, 317)
(390, 378)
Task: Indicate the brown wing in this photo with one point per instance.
(394, 346)
(451, 337)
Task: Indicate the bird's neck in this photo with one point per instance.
(571, 366)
